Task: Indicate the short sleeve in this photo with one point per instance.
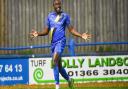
(67, 20)
(47, 22)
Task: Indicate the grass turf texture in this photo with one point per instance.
(108, 85)
(74, 88)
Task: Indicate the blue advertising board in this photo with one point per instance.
(14, 71)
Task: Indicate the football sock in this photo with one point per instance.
(63, 73)
(56, 74)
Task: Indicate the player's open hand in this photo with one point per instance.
(33, 34)
(86, 36)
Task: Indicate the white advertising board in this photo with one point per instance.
(82, 69)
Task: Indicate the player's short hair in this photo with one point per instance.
(56, 0)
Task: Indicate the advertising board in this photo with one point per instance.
(82, 69)
(13, 71)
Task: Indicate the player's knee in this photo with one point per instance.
(56, 61)
(56, 58)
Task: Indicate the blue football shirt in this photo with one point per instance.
(59, 27)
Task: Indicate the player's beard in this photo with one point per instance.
(58, 10)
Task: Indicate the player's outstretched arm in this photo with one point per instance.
(34, 33)
(85, 36)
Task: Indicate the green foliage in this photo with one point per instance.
(26, 52)
(106, 49)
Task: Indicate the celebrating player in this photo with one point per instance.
(56, 23)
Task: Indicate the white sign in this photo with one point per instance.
(82, 69)
(40, 70)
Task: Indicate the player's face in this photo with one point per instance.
(57, 6)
